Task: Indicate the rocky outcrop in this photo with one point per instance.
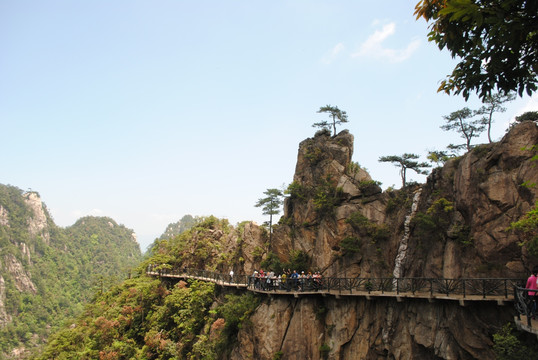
(4, 219)
(251, 238)
(487, 192)
(22, 280)
(328, 189)
(456, 228)
(37, 224)
(5, 318)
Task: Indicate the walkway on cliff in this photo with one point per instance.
(461, 290)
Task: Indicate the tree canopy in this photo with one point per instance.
(529, 115)
(406, 161)
(338, 117)
(496, 42)
(271, 205)
(461, 122)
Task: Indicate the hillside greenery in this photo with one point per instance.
(144, 318)
(66, 269)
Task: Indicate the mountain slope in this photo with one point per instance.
(47, 273)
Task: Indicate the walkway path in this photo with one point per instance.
(461, 290)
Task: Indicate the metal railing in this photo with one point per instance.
(525, 304)
(484, 288)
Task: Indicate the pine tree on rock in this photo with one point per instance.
(337, 116)
(405, 162)
(271, 206)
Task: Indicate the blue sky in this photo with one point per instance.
(146, 111)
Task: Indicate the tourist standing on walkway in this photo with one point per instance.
(532, 283)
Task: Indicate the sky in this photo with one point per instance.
(145, 111)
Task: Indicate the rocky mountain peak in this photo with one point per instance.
(37, 224)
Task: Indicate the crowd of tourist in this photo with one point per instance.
(288, 280)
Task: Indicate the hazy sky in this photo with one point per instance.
(145, 111)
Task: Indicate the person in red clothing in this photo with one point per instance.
(532, 283)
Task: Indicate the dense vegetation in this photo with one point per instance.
(144, 318)
(64, 266)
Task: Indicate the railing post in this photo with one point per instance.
(516, 300)
(383, 287)
(484, 287)
(463, 284)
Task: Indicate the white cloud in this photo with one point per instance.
(531, 105)
(373, 46)
(333, 54)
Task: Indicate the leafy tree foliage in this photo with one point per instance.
(271, 205)
(527, 228)
(461, 122)
(529, 115)
(439, 157)
(496, 42)
(507, 346)
(406, 162)
(337, 117)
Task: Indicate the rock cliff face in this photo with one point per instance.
(453, 226)
(37, 223)
(5, 318)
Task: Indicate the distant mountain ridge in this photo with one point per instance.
(179, 227)
(47, 272)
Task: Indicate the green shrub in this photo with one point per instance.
(507, 346)
(481, 150)
(299, 260)
(272, 263)
(235, 311)
(527, 228)
(398, 199)
(364, 184)
(257, 253)
(313, 154)
(353, 168)
(433, 225)
(323, 132)
(350, 245)
(367, 228)
(297, 191)
(326, 197)
(324, 351)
